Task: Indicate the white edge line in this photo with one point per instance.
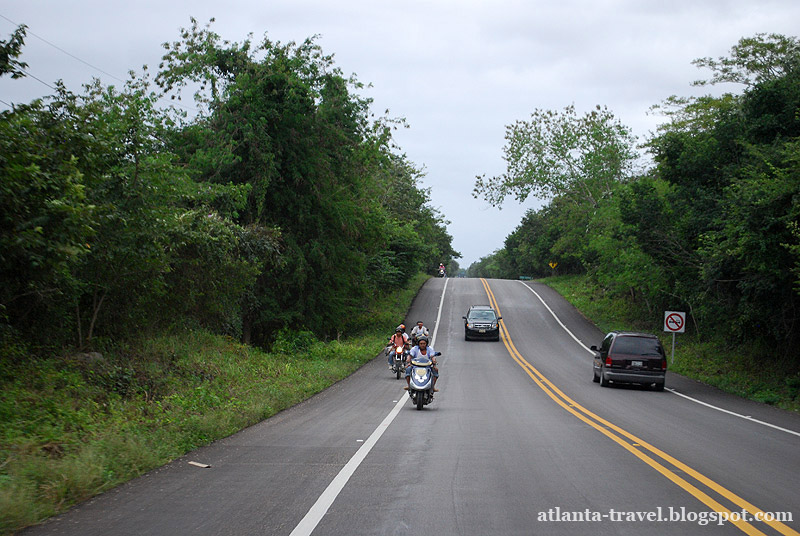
(320, 508)
(673, 391)
(439, 314)
(558, 319)
(746, 417)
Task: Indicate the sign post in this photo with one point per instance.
(674, 322)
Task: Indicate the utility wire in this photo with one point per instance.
(28, 32)
(64, 51)
(37, 79)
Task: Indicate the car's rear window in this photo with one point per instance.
(636, 346)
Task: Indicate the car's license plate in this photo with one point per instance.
(636, 363)
(481, 331)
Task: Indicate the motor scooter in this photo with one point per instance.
(420, 388)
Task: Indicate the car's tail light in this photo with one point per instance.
(608, 361)
(663, 364)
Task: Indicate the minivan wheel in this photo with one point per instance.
(603, 380)
(595, 379)
(658, 387)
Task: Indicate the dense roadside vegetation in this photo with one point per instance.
(711, 228)
(739, 370)
(72, 428)
(282, 202)
(170, 274)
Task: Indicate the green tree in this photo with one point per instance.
(46, 221)
(753, 60)
(10, 51)
(103, 233)
(417, 238)
(285, 122)
(731, 165)
(562, 154)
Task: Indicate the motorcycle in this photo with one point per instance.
(420, 389)
(441, 272)
(415, 338)
(398, 360)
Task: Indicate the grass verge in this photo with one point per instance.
(747, 372)
(73, 427)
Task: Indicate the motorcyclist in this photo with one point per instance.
(441, 268)
(419, 331)
(422, 350)
(400, 338)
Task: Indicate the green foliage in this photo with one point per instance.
(46, 220)
(754, 60)
(100, 226)
(10, 51)
(287, 124)
(416, 237)
(712, 229)
(734, 206)
(747, 371)
(562, 154)
(491, 266)
(280, 205)
(278, 214)
(72, 427)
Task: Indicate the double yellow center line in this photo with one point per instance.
(640, 448)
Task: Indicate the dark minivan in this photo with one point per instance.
(628, 357)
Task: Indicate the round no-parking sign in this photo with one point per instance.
(674, 322)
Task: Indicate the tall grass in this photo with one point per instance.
(72, 427)
(748, 371)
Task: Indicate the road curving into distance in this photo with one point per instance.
(519, 440)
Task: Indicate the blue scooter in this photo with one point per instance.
(420, 388)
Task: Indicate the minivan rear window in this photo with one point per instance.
(636, 346)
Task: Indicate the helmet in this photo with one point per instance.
(398, 330)
(423, 338)
(402, 326)
(419, 321)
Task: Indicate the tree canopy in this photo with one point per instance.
(558, 153)
(281, 203)
(711, 228)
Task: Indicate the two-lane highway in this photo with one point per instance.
(518, 441)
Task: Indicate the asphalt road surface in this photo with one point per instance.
(519, 440)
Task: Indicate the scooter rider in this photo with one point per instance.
(400, 338)
(422, 350)
(419, 331)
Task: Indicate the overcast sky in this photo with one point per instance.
(458, 71)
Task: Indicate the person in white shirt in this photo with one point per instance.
(418, 331)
